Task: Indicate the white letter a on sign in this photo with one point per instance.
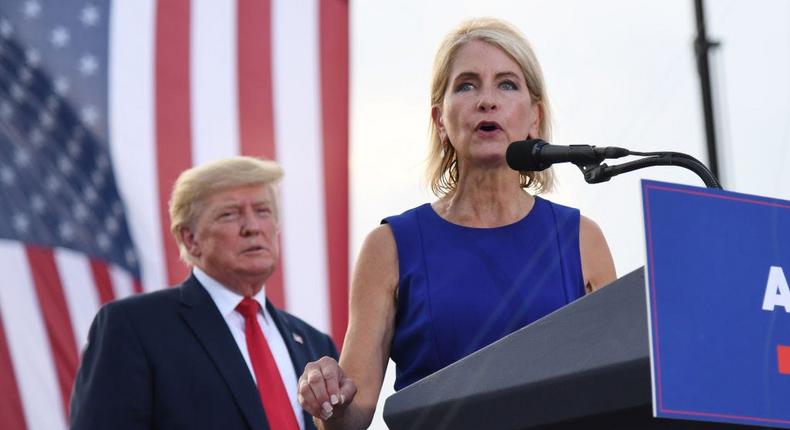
(776, 291)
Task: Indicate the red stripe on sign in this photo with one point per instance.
(783, 358)
(11, 416)
(101, 278)
(173, 130)
(57, 322)
(256, 103)
(334, 111)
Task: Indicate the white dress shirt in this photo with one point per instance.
(226, 301)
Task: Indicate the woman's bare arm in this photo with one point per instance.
(597, 263)
(367, 344)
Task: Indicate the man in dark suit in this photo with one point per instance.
(212, 353)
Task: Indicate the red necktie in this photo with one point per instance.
(270, 385)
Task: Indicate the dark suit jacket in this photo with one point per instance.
(167, 360)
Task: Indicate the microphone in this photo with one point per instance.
(535, 155)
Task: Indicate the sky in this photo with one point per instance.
(618, 73)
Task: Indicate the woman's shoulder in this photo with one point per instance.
(556, 207)
(407, 214)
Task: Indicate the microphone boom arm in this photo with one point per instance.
(597, 173)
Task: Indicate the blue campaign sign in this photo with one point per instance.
(719, 304)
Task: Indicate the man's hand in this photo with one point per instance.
(324, 390)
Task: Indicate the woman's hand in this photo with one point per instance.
(324, 390)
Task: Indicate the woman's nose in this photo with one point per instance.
(486, 102)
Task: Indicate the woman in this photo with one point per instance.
(443, 280)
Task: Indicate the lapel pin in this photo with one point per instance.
(298, 339)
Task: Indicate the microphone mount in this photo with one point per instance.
(595, 173)
(537, 154)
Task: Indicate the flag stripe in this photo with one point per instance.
(27, 343)
(101, 278)
(298, 135)
(132, 132)
(173, 132)
(82, 297)
(213, 80)
(11, 416)
(334, 110)
(122, 283)
(256, 120)
(60, 333)
(137, 287)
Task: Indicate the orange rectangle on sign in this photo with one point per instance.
(783, 353)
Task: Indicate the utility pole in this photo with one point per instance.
(701, 48)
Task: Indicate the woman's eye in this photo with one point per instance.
(464, 86)
(508, 85)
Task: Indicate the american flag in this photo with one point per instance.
(102, 105)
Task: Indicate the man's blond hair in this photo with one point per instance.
(196, 184)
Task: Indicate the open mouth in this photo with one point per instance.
(488, 126)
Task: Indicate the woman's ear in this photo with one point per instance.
(537, 119)
(438, 122)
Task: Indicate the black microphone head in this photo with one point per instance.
(524, 155)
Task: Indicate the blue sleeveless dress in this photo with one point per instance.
(462, 288)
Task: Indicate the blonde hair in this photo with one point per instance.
(442, 160)
(194, 185)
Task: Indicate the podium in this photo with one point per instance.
(584, 365)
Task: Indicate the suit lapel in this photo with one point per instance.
(212, 332)
(299, 351)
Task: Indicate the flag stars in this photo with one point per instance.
(90, 195)
(80, 212)
(33, 57)
(37, 203)
(60, 37)
(62, 86)
(111, 224)
(117, 208)
(6, 110)
(46, 120)
(88, 65)
(98, 178)
(89, 16)
(31, 9)
(22, 157)
(6, 29)
(7, 175)
(66, 231)
(103, 241)
(74, 148)
(25, 75)
(130, 258)
(17, 92)
(21, 223)
(36, 137)
(65, 165)
(52, 184)
(102, 162)
(89, 115)
(53, 104)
